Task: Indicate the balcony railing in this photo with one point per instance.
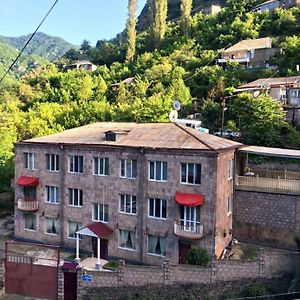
(277, 184)
(28, 205)
(189, 232)
(238, 60)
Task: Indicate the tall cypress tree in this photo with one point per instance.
(158, 10)
(131, 30)
(186, 8)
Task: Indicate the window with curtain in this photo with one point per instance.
(128, 168)
(128, 204)
(73, 227)
(30, 221)
(52, 194)
(51, 226)
(156, 245)
(127, 239)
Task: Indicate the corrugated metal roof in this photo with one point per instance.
(148, 135)
(279, 152)
(245, 45)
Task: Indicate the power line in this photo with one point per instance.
(26, 44)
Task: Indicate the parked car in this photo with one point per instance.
(228, 133)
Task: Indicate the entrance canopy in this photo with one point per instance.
(189, 199)
(28, 181)
(98, 230)
(279, 152)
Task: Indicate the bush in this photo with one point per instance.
(197, 256)
(295, 284)
(253, 290)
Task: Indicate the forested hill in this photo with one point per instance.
(46, 46)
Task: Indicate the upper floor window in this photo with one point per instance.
(229, 204)
(75, 197)
(30, 221)
(128, 204)
(73, 228)
(127, 239)
(75, 164)
(190, 173)
(157, 245)
(157, 208)
(230, 168)
(158, 170)
(101, 166)
(51, 226)
(30, 161)
(52, 195)
(100, 212)
(52, 162)
(128, 168)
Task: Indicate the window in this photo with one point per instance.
(75, 164)
(30, 221)
(101, 166)
(52, 194)
(73, 228)
(127, 239)
(229, 204)
(158, 170)
(51, 226)
(75, 197)
(157, 208)
(190, 173)
(190, 217)
(157, 245)
(30, 161)
(128, 168)
(230, 169)
(52, 161)
(100, 212)
(128, 204)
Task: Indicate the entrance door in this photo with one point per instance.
(70, 285)
(183, 251)
(103, 247)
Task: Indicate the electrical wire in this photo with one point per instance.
(28, 41)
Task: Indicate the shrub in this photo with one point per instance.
(295, 284)
(253, 290)
(197, 256)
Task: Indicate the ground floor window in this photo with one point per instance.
(73, 227)
(157, 245)
(51, 226)
(127, 239)
(30, 221)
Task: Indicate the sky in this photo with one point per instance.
(72, 20)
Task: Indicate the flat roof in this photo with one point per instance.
(279, 152)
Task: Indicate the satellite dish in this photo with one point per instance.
(256, 94)
(176, 105)
(173, 116)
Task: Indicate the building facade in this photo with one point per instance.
(157, 189)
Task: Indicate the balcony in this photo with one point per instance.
(28, 204)
(238, 60)
(275, 180)
(193, 231)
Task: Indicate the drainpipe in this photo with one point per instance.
(62, 192)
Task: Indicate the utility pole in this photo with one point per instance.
(223, 115)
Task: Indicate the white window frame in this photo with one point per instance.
(187, 172)
(30, 161)
(155, 163)
(71, 197)
(75, 161)
(102, 161)
(100, 213)
(131, 199)
(155, 254)
(52, 160)
(79, 225)
(191, 218)
(229, 204)
(55, 224)
(52, 190)
(134, 243)
(230, 169)
(160, 208)
(128, 174)
(34, 222)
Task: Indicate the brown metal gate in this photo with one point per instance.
(31, 270)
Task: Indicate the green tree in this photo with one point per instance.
(186, 7)
(131, 30)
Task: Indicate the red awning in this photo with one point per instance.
(189, 199)
(100, 229)
(28, 181)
